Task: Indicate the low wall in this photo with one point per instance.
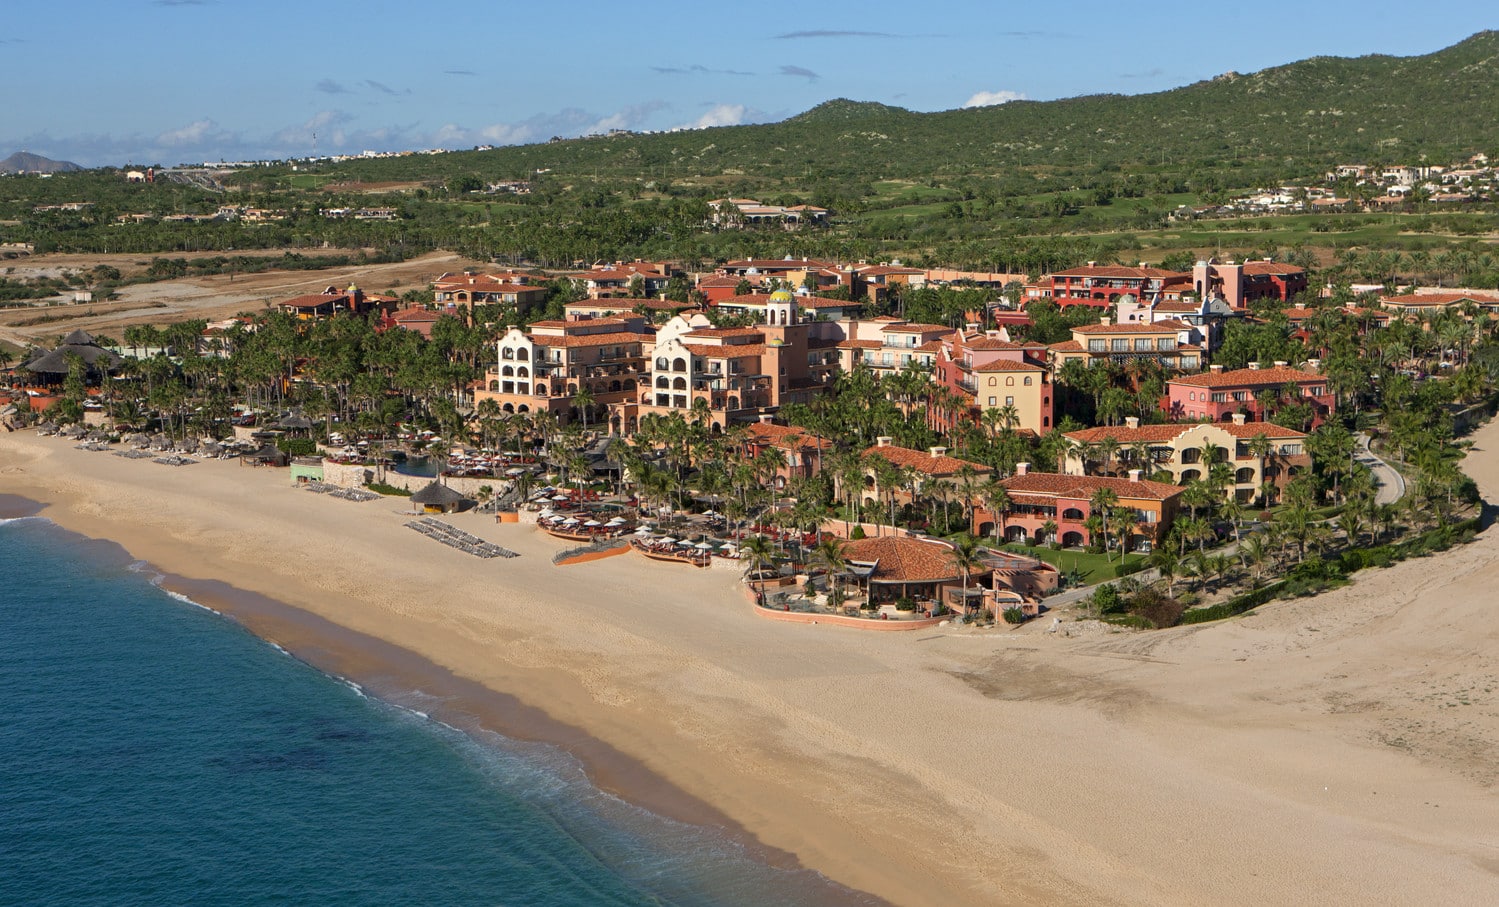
(468, 487)
(842, 530)
(346, 475)
(857, 623)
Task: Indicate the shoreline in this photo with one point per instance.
(388, 672)
(922, 768)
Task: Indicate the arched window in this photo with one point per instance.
(663, 382)
(508, 372)
(494, 385)
(733, 403)
(614, 386)
(662, 364)
(507, 353)
(679, 365)
(1027, 380)
(679, 384)
(522, 372)
(1072, 513)
(629, 384)
(523, 354)
(1010, 381)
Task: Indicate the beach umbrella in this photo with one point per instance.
(668, 540)
(593, 523)
(570, 521)
(617, 521)
(559, 497)
(515, 471)
(703, 546)
(548, 512)
(687, 542)
(642, 530)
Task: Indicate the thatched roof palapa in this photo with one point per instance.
(436, 495)
(80, 344)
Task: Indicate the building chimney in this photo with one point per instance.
(1131, 422)
(1314, 365)
(1254, 366)
(1134, 475)
(1022, 468)
(767, 419)
(1103, 319)
(1281, 363)
(1218, 369)
(1238, 418)
(883, 441)
(938, 452)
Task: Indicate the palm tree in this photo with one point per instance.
(966, 557)
(1166, 563)
(1252, 553)
(828, 554)
(997, 499)
(1102, 501)
(1125, 521)
(758, 553)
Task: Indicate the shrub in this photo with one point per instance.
(857, 533)
(393, 491)
(297, 447)
(905, 603)
(1106, 599)
(1156, 607)
(1014, 616)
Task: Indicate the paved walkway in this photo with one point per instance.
(1389, 483)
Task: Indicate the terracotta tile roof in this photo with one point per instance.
(735, 351)
(861, 345)
(922, 460)
(931, 346)
(575, 340)
(715, 282)
(778, 264)
(1050, 484)
(908, 327)
(1169, 326)
(1418, 299)
(1247, 376)
(818, 302)
(787, 436)
(990, 343)
(313, 300)
(1008, 365)
(565, 323)
(746, 299)
(1271, 268)
(1120, 272)
(725, 332)
(1066, 346)
(1170, 432)
(409, 315)
(906, 560)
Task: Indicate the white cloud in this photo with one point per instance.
(719, 115)
(990, 98)
(191, 134)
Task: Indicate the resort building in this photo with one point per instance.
(546, 368)
(610, 281)
(811, 308)
(796, 451)
(889, 345)
(1160, 341)
(1049, 507)
(332, 301)
(1216, 395)
(1259, 453)
(892, 567)
(1237, 284)
(921, 471)
(1429, 303)
(466, 290)
(987, 371)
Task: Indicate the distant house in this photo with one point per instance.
(332, 302)
(931, 467)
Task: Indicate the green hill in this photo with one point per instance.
(1297, 117)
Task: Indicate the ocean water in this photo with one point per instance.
(154, 752)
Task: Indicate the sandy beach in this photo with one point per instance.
(1341, 749)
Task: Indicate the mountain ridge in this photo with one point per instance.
(26, 162)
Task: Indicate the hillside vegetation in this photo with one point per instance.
(1025, 186)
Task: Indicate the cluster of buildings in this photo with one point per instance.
(623, 353)
(1368, 186)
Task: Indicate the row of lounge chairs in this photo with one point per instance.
(454, 537)
(174, 461)
(135, 454)
(358, 495)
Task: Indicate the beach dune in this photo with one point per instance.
(1340, 749)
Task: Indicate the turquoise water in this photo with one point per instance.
(153, 752)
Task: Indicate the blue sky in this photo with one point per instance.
(170, 81)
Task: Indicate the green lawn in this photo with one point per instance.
(1095, 568)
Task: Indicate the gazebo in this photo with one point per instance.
(267, 455)
(53, 364)
(891, 568)
(437, 498)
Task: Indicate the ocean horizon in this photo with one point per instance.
(159, 752)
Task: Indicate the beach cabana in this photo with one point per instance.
(266, 455)
(891, 568)
(52, 366)
(437, 498)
